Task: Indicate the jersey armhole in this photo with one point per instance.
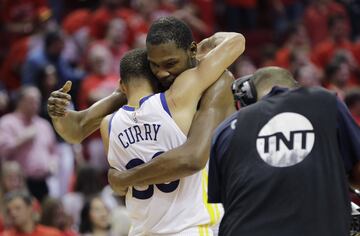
(110, 121)
(164, 103)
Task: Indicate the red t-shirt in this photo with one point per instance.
(76, 20)
(323, 53)
(316, 20)
(40, 230)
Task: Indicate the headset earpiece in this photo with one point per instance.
(244, 90)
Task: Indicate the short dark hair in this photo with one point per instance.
(135, 65)
(167, 29)
(51, 37)
(88, 180)
(352, 97)
(24, 195)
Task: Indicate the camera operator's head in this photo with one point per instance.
(250, 88)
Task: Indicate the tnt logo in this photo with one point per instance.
(285, 140)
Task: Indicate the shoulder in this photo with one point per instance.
(228, 124)
(9, 120)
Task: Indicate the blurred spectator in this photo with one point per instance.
(19, 16)
(30, 140)
(46, 84)
(352, 100)
(20, 212)
(337, 74)
(100, 83)
(267, 55)
(286, 12)
(338, 39)
(10, 71)
(206, 12)
(109, 10)
(243, 66)
(121, 222)
(296, 40)
(4, 102)
(77, 30)
(353, 8)
(12, 178)
(241, 15)
(308, 76)
(38, 60)
(115, 41)
(316, 18)
(95, 218)
(53, 215)
(87, 184)
(191, 14)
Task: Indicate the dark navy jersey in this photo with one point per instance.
(348, 141)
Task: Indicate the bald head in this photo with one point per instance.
(268, 77)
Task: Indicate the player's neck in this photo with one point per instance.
(137, 94)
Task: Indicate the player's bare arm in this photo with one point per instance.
(216, 104)
(184, 94)
(74, 126)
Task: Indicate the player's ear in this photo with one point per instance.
(122, 87)
(193, 49)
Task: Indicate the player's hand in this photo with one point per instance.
(113, 176)
(59, 100)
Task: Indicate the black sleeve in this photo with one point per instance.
(348, 136)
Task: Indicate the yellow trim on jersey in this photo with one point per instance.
(212, 209)
(204, 230)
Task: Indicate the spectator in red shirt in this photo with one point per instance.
(53, 215)
(100, 83)
(297, 40)
(109, 10)
(10, 70)
(115, 42)
(317, 15)
(20, 212)
(337, 74)
(100, 80)
(20, 16)
(338, 39)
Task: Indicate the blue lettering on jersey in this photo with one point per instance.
(135, 134)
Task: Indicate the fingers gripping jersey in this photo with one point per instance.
(176, 208)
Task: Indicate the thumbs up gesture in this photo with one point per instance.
(59, 100)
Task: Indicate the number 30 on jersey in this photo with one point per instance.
(148, 193)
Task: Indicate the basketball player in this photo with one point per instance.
(149, 125)
(172, 50)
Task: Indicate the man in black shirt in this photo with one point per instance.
(280, 165)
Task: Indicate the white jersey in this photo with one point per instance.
(138, 135)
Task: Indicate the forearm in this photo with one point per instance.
(177, 163)
(210, 43)
(76, 126)
(69, 128)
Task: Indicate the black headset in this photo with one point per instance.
(244, 91)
